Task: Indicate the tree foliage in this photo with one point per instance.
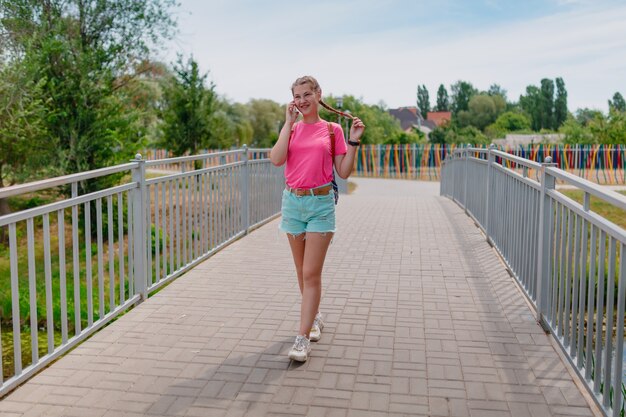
(266, 118)
(618, 103)
(545, 109)
(482, 110)
(497, 90)
(230, 124)
(560, 103)
(546, 103)
(531, 104)
(24, 149)
(591, 126)
(508, 122)
(188, 104)
(452, 134)
(443, 102)
(462, 92)
(423, 101)
(575, 133)
(82, 55)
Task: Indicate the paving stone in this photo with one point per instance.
(421, 319)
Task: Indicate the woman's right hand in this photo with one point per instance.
(291, 115)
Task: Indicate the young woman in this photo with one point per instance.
(308, 205)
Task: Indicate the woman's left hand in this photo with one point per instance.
(357, 129)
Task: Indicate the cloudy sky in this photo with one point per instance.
(381, 50)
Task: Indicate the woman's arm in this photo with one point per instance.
(278, 153)
(345, 163)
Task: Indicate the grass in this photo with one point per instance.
(618, 217)
(604, 209)
(6, 304)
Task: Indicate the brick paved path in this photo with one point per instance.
(422, 319)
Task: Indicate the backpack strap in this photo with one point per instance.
(331, 132)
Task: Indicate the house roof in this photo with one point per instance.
(439, 117)
(409, 117)
(429, 124)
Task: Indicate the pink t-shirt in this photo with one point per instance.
(309, 163)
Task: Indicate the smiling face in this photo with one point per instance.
(306, 98)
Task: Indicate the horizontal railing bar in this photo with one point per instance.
(230, 221)
(190, 158)
(179, 175)
(599, 191)
(59, 205)
(66, 179)
(478, 160)
(257, 161)
(609, 227)
(44, 361)
(518, 160)
(526, 180)
(461, 151)
(554, 282)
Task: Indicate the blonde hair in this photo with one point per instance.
(307, 79)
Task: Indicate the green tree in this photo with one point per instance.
(86, 52)
(230, 125)
(585, 116)
(452, 134)
(438, 135)
(423, 101)
(469, 134)
(483, 110)
(462, 92)
(24, 150)
(531, 105)
(575, 133)
(618, 103)
(443, 102)
(609, 130)
(496, 90)
(404, 138)
(560, 103)
(266, 118)
(188, 104)
(508, 122)
(547, 104)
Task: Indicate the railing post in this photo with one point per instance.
(442, 179)
(245, 198)
(544, 245)
(465, 169)
(490, 161)
(140, 229)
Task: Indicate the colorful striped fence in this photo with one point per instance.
(603, 164)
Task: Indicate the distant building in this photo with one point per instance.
(411, 119)
(513, 139)
(439, 117)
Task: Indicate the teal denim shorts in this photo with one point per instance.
(309, 213)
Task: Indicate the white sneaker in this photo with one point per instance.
(316, 330)
(300, 349)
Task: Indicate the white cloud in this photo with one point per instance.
(258, 56)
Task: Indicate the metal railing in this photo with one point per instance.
(570, 261)
(77, 263)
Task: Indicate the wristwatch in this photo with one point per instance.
(352, 143)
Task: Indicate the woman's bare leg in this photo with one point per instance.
(297, 244)
(313, 262)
